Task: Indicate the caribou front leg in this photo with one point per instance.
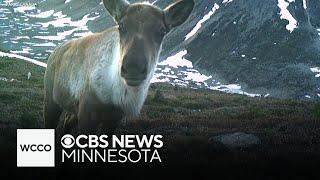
(88, 115)
(111, 118)
(92, 113)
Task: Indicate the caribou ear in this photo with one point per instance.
(177, 13)
(116, 7)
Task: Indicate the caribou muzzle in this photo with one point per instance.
(134, 70)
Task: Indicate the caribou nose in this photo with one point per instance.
(134, 71)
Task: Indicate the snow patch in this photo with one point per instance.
(177, 70)
(21, 37)
(48, 44)
(23, 9)
(305, 4)
(25, 50)
(8, 1)
(316, 70)
(8, 80)
(10, 55)
(226, 1)
(59, 15)
(233, 88)
(285, 14)
(66, 21)
(204, 19)
(45, 14)
(62, 21)
(177, 60)
(154, 2)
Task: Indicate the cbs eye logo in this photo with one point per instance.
(67, 141)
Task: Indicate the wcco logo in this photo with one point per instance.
(35, 148)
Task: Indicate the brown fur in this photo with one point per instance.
(103, 77)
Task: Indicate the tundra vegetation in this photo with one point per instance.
(187, 118)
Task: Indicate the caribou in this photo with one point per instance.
(102, 78)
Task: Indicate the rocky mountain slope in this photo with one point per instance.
(266, 46)
(247, 42)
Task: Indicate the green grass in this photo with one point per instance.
(316, 110)
(21, 99)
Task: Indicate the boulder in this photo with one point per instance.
(234, 141)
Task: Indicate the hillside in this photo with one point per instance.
(265, 46)
(191, 122)
(254, 44)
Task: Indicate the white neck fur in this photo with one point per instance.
(110, 87)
